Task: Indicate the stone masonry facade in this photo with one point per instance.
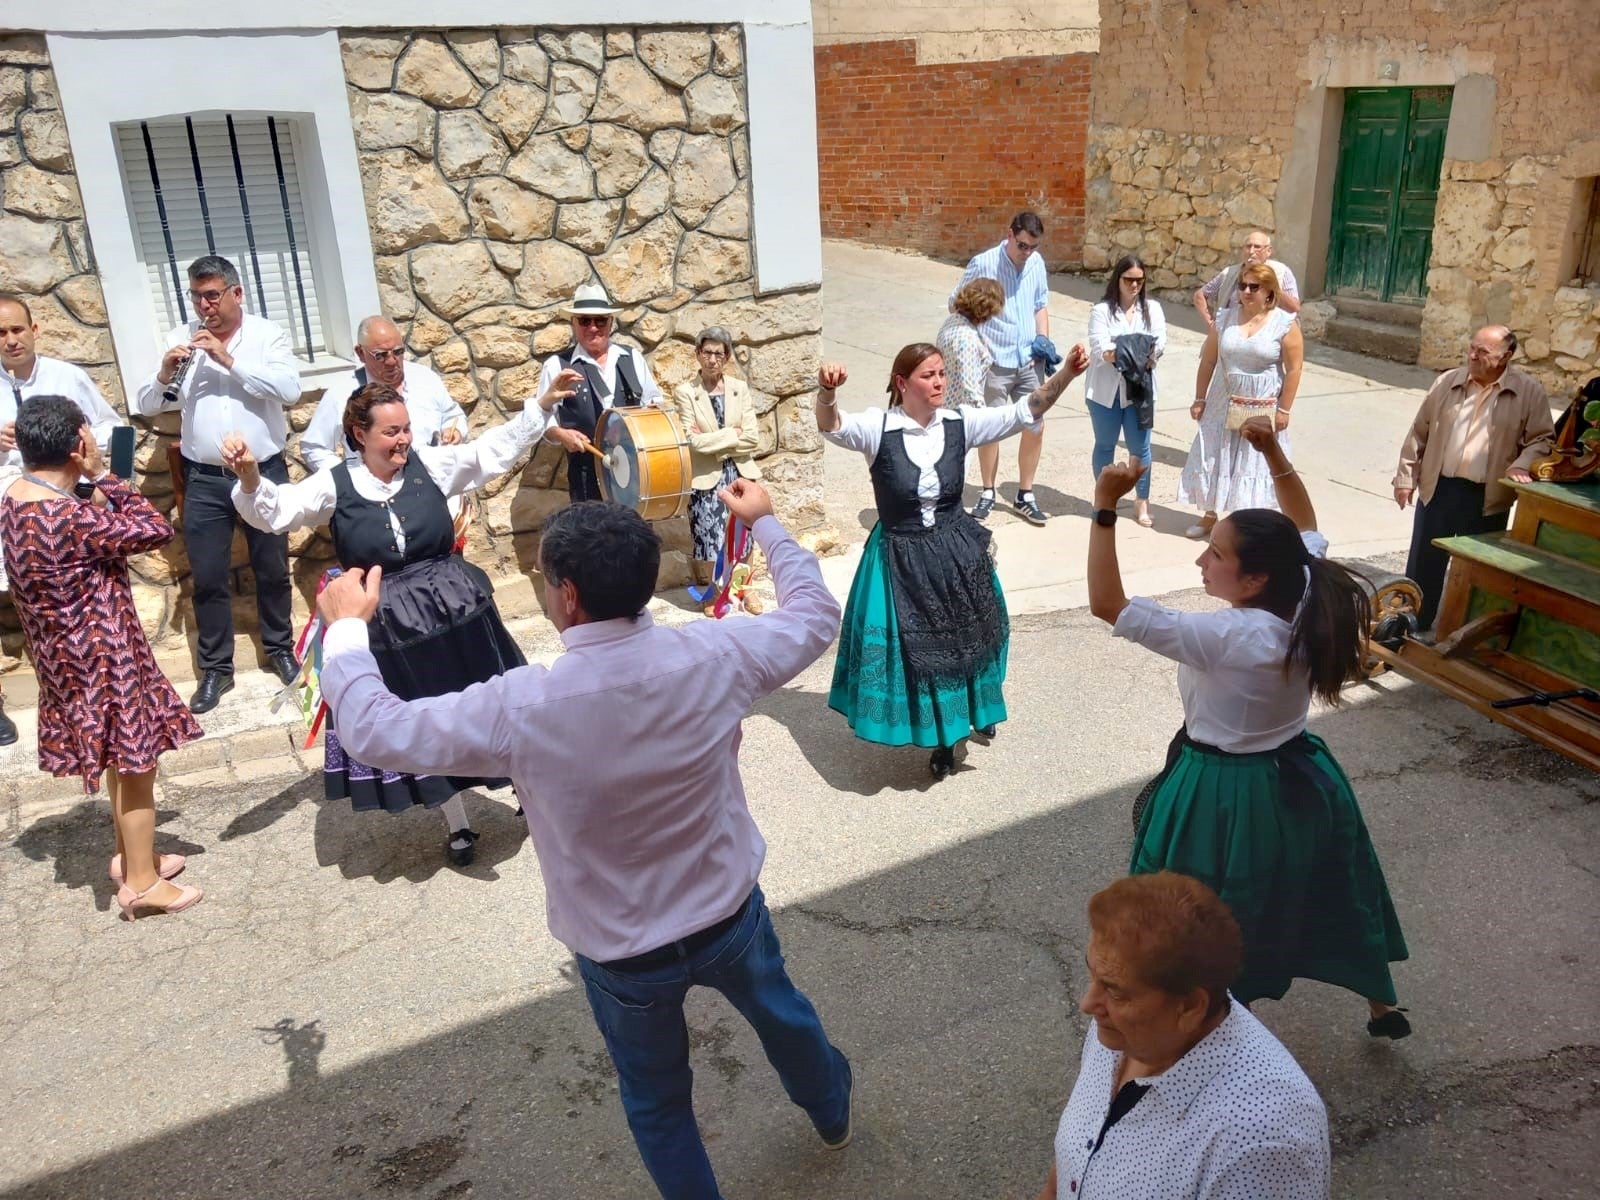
(1189, 138)
(502, 168)
(938, 157)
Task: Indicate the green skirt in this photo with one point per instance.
(872, 688)
(1279, 837)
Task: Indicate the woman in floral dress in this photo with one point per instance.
(104, 705)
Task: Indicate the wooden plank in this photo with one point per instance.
(1535, 676)
(1569, 506)
(1531, 565)
(1474, 633)
(1583, 496)
(1561, 727)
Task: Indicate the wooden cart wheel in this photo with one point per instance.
(1395, 602)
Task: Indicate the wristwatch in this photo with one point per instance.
(1105, 516)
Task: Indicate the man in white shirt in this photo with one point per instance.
(1180, 1091)
(649, 854)
(1219, 293)
(436, 419)
(614, 376)
(228, 371)
(24, 373)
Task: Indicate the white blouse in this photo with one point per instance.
(1231, 678)
(1106, 323)
(278, 508)
(864, 431)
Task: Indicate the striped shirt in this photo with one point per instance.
(1010, 334)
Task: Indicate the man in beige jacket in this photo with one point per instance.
(1478, 424)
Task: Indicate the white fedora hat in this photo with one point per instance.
(590, 300)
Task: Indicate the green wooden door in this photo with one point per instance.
(1390, 149)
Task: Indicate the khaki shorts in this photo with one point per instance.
(1007, 385)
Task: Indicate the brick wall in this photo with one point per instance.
(937, 158)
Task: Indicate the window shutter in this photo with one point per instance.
(268, 270)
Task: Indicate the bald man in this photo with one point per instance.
(436, 419)
(1479, 424)
(1219, 294)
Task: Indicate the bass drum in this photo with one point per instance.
(644, 461)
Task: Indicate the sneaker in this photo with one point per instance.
(1028, 510)
(983, 507)
(839, 1138)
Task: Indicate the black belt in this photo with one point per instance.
(202, 468)
(675, 952)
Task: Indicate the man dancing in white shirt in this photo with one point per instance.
(638, 814)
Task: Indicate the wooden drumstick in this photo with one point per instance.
(600, 454)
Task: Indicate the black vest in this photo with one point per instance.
(582, 411)
(895, 478)
(362, 535)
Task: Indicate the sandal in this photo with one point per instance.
(167, 866)
(134, 905)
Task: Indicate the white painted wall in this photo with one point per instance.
(117, 60)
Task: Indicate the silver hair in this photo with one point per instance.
(715, 333)
(214, 266)
(365, 328)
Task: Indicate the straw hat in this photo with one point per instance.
(590, 300)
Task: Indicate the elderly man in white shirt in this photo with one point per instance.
(614, 376)
(649, 853)
(1181, 1092)
(436, 419)
(1219, 293)
(24, 373)
(228, 371)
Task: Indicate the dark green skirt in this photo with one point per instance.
(872, 688)
(1279, 837)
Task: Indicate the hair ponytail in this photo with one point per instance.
(1330, 631)
(1329, 614)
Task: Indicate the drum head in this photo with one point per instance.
(620, 476)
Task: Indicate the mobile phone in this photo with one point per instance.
(122, 439)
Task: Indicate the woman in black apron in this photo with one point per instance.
(436, 630)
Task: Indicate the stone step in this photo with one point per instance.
(1377, 310)
(1379, 339)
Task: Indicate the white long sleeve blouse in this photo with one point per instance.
(1103, 382)
(863, 431)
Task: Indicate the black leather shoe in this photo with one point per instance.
(213, 684)
(284, 665)
(942, 761)
(463, 856)
(989, 731)
(8, 727)
(1392, 1024)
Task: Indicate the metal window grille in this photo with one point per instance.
(223, 184)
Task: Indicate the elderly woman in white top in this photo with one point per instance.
(1250, 801)
(967, 357)
(1121, 395)
(1180, 1091)
(922, 653)
(436, 630)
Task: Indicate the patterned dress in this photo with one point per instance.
(1224, 473)
(708, 520)
(103, 702)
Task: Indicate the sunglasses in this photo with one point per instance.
(1249, 287)
(594, 322)
(383, 355)
(1136, 280)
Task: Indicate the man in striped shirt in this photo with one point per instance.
(1015, 262)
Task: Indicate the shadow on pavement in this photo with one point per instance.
(81, 842)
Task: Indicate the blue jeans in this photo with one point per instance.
(640, 1014)
(1108, 423)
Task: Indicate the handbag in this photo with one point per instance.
(1243, 408)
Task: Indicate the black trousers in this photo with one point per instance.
(583, 482)
(208, 523)
(1456, 509)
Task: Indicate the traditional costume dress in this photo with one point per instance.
(103, 701)
(436, 630)
(1258, 808)
(922, 652)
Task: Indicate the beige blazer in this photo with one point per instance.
(738, 438)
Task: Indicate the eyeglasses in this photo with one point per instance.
(713, 352)
(1025, 247)
(1136, 280)
(1483, 352)
(1249, 287)
(210, 297)
(384, 355)
(594, 322)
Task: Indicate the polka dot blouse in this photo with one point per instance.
(1234, 1119)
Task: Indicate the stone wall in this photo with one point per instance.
(937, 158)
(961, 31)
(503, 168)
(1191, 143)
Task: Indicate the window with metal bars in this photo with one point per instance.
(223, 184)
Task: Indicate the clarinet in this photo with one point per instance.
(171, 392)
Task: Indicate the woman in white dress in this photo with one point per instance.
(1260, 352)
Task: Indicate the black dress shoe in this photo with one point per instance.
(462, 856)
(212, 686)
(284, 665)
(8, 727)
(942, 761)
(989, 731)
(1392, 1025)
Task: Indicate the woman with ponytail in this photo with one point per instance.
(1250, 802)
